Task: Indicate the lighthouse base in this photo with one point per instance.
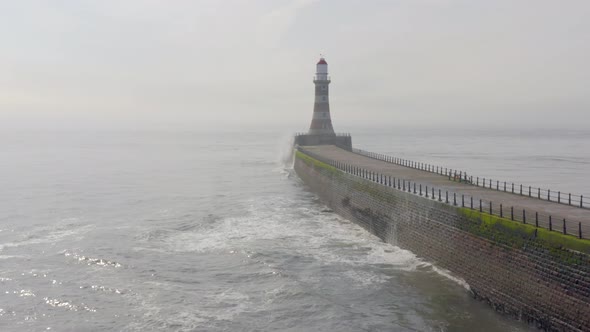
(342, 140)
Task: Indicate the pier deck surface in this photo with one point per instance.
(507, 199)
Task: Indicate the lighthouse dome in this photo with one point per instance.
(322, 67)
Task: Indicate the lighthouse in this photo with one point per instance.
(321, 131)
(321, 123)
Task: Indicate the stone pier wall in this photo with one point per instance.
(341, 141)
(534, 277)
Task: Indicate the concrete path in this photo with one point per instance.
(531, 205)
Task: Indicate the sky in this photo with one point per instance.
(244, 63)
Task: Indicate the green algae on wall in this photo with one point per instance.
(517, 234)
(316, 163)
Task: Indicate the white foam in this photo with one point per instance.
(49, 235)
(91, 261)
(58, 303)
(285, 151)
(447, 274)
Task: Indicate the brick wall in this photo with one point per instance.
(514, 272)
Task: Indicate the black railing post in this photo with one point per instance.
(432, 193)
(523, 216)
(426, 191)
(521, 190)
(477, 181)
(480, 206)
(491, 211)
(420, 189)
(569, 199)
(454, 199)
(539, 192)
(559, 197)
(512, 213)
(471, 198)
(513, 187)
(580, 230)
(414, 187)
(529, 191)
(501, 212)
(504, 185)
(447, 197)
(549, 195)
(439, 196)
(550, 225)
(564, 230)
(497, 185)
(462, 200)
(536, 219)
(581, 200)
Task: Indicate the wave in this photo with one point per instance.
(49, 234)
(92, 261)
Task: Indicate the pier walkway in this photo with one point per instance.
(530, 205)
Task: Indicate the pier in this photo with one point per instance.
(522, 249)
(515, 206)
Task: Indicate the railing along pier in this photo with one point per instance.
(544, 221)
(462, 177)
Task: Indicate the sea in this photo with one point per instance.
(171, 230)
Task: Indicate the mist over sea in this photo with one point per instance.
(189, 231)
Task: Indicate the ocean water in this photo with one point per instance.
(188, 231)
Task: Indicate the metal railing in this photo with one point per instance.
(337, 134)
(536, 219)
(461, 176)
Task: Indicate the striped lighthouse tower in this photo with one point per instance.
(321, 124)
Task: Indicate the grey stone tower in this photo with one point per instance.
(321, 131)
(321, 123)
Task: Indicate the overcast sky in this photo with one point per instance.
(202, 64)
